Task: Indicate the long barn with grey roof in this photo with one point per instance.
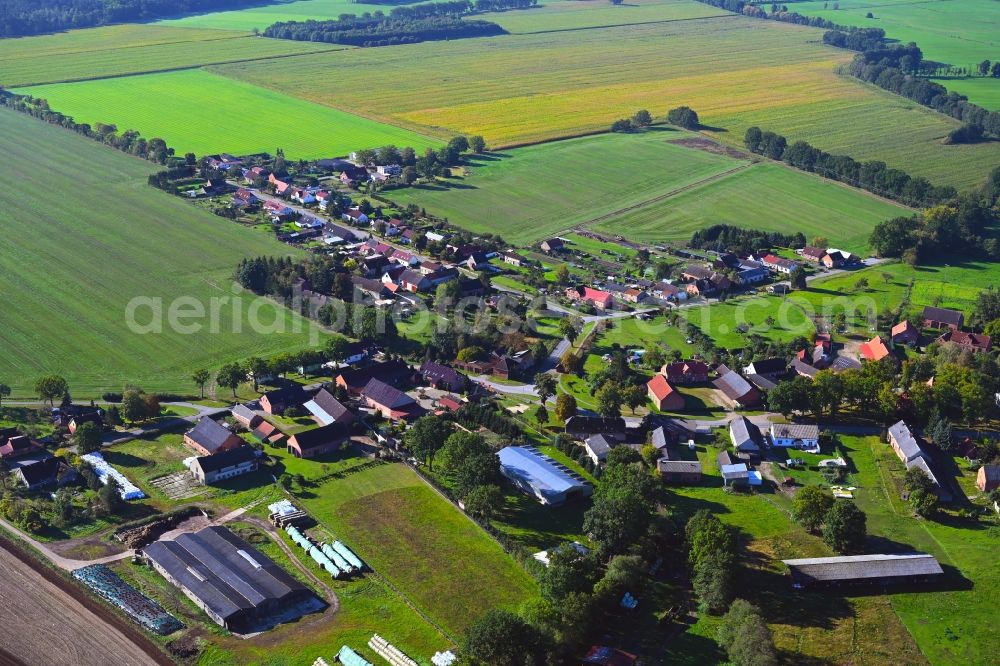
(863, 569)
(234, 583)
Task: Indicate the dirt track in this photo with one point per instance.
(47, 621)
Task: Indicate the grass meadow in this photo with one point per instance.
(527, 194)
(443, 562)
(782, 200)
(85, 235)
(281, 10)
(983, 91)
(955, 32)
(239, 118)
(581, 15)
(118, 50)
(735, 72)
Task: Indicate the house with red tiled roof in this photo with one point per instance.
(596, 297)
(280, 187)
(974, 342)
(664, 396)
(814, 254)
(685, 372)
(875, 349)
(904, 333)
(779, 264)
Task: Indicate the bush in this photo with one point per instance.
(683, 116)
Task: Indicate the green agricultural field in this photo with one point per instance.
(281, 10)
(84, 235)
(736, 72)
(117, 50)
(954, 32)
(786, 201)
(443, 562)
(583, 14)
(731, 322)
(983, 91)
(530, 193)
(240, 118)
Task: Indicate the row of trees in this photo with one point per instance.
(403, 25)
(712, 557)
(682, 116)
(960, 226)
(963, 389)
(873, 176)
(741, 240)
(128, 141)
(30, 17)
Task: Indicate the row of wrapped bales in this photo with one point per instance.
(349, 657)
(348, 555)
(337, 558)
(321, 559)
(389, 652)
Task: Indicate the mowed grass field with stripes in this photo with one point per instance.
(676, 191)
(86, 238)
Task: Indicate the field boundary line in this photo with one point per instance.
(105, 49)
(166, 70)
(661, 197)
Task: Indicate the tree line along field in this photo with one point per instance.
(118, 50)
(83, 235)
(208, 113)
(955, 32)
(736, 72)
(677, 190)
(983, 91)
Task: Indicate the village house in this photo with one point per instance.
(664, 396)
(597, 447)
(514, 259)
(686, 372)
(904, 443)
(779, 288)
(414, 281)
(451, 403)
(669, 292)
(279, 400)
(428, 267)
(988, 478)
(326, 409)
(795, 436)
(582, 427)
(210, 437)
(277, 211)
(942, 318)
(751, 272)
(904, 333)
(389, 401)
(355, 216)
(771, 368)
(686, 472)
(477, 261)
(778, 264)
(745, 436)
(244, 198)
(813, 254)
(973, 342)
(224, 465)
(48, 471)
(552, 245)
(302, 196)
(15, 445)
(266, 432)
(736, 388)
(595, 297)
(78, 420)
(834, 259)
(318, 441)
(875, 349)
(442, 377)
(257, 174)
(354, 380)
(279, 186)
(245, 416)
